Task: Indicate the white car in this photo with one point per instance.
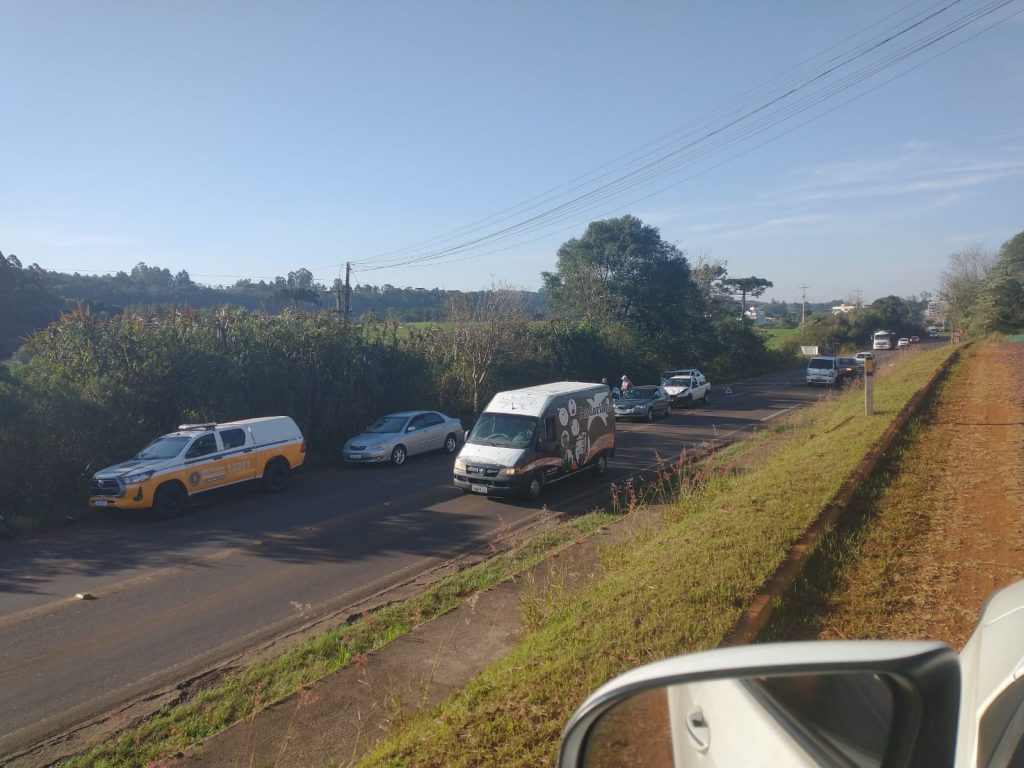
(860, 357)
(693, 373)
(903, 343)
(399, 435)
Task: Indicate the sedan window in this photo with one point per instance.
(388, 424)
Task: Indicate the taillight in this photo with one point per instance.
(302, 448)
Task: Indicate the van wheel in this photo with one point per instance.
(535, 487)
(450, 444)
(398, 455)
(275, 476)
(169, 500)
(601, 465)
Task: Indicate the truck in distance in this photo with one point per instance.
(882, 340)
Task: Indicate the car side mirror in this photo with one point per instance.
(410, 429)
(866, 703)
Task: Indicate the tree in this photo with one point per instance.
(709, 275)
(962, 286)
(1002, 304)
(483, 329)
(747, 286)
(621, 271)
(183, 280)
(298, 288)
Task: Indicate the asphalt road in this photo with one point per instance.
(174, 598)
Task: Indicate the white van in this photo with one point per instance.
(822, 370)
(526, 438)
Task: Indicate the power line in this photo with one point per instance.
(717, 137)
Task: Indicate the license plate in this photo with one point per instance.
(355, 455)
(100, 502)
(478, 488)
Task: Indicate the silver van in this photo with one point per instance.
(822, 370)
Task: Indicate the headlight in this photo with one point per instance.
(512, 471)
(376, 446)
(138, 477)
(460, 465)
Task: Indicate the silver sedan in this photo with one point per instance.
(645, 402)
(397, 436)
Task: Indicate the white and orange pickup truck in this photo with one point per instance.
(201, 457)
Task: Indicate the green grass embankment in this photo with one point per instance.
(674, 590)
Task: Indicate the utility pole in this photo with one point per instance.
(803, 302)
(348, 289)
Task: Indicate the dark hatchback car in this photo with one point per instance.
(848, 369)
(644, 402)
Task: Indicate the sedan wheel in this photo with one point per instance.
(398, 455)
(650, 414)
(450, 444)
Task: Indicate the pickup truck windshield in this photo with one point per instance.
(163, 448)
(678, 381)
(504, 430)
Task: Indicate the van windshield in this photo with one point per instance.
(821, 362)
(163, 448)
(503, 429)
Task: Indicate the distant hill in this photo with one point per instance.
(31, 298)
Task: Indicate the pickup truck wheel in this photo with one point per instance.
(688, 401)
(451, 443)
(707, 398)
(535, 487)
(398, 455)
(601, 465)
(169, 500)
(275, 476)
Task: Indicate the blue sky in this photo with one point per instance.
(250, 139)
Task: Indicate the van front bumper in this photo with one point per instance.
(501, 485)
